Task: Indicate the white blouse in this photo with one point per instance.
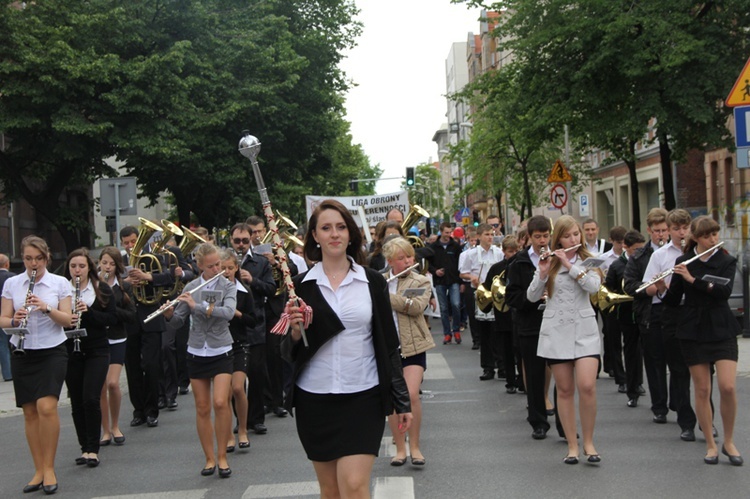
(51, 289)
(346, 363)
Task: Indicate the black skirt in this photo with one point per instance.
(208, 367)
(117, 353)
(39, 373)
(419, 359)
(331, 426)
(697, 352)
(241, 353)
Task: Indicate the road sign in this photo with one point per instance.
(583, 206)
(740, 93)
(465, 212)
(465, 221)
(559, 173)
(559, 196)
(742, 125)
(743, 157)
(457, 216)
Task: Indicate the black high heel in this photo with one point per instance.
(733, 460)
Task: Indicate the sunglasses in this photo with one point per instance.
(244, 240)
(495, 225)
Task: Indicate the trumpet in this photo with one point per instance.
(549, 253)
(22, 330)
(77, 333)
(669, 272)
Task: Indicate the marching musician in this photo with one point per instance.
(474, 268)
(45, 308)
(569, 333)
(664, 348)
(256, 275)
(88, 362)
(707, 329)
(143, 348)
(612, 362)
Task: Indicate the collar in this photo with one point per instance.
(316, 273)
(45, 279)
(239, 286)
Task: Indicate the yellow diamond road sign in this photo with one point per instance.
(740, 94)
(559, 173)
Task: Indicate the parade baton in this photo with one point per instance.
(174, 302)
(250, 148)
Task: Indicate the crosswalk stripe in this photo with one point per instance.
(392, 487)
(289, 489)
(175, 494)
(437, 367)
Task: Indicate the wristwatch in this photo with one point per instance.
(48, 309)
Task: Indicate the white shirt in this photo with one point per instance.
(609, 258)
(662, 259)
(298, 261)
(88, 295)
(533, 256)
(346, 363)
(51, 289)
(207, 351)
(478, 261)
(596, 248)
(393, 289)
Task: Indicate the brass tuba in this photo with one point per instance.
(483, 297)
(145, 262)
(498, 292)
(415, 213)
(604, 298)
(169, 230)
(190, 240)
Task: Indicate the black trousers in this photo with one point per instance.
(256, 381)
(535, 368)
(679, 374)
(490, 347)
(143, 368)
(274, 393)
(509, 358)
(168, 381)
(468, 298)
(85, 378)
(613, 347)
(633, 352)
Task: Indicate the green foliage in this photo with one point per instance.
(427, 190)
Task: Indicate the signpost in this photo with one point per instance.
(465, 216)
(559, 196)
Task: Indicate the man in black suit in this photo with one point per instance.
(256, 275)
(143, 349)
(5, 339)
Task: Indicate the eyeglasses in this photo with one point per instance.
(495, 225)
(39, 258)
(244, 240)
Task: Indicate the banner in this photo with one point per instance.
(376, 206)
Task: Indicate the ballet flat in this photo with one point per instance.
(32, 487)
(733, 460)
(570, 460)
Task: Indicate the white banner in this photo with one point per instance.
(376, 206)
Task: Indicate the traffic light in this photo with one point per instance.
(476, 218)
(409, 176)
(353, 186)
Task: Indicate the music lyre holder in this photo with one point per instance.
(21, 333)
(76, 335)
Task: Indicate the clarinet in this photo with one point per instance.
(22, 330)
(77, 337)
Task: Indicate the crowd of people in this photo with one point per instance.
(204, 321)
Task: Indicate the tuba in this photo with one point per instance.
(498, 292)
(145, 262)
(415, 213)
(190, 240)
(169, 230)
(484, 299)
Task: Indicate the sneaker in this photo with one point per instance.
(457, 335)
(446, 339)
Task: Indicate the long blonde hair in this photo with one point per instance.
(563, 225)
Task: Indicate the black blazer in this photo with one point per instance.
(96, 320)
(241, 326)
(262, 287)
(706, 315)
(528, 317)
(634, 271)
(326, 325)
(126, 314)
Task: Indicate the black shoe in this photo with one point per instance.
(633, 402)
(593, 458)
(137, 421)
(260, 429)
(622, 388)
(475, 347)
(162, 404)
(230, 449)
(660, 419)
(120, 440)
(225, 472)
(687, 435)
(641, 390)
(500, 374)
(487, 375)
(208, 471)
(92, 462)
(539, 433)
(733, 460)
(152, 422)
(570, 460)
(172, 404)
(711, 459)
(511, 390)
(183, 390)
(80, 461)
(244, 445)
(49, 489)
(32, 487)
(281, 412)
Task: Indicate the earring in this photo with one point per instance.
(317, 245)
(350, 243)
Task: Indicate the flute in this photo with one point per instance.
(402, 272)
(669, 272)
(174, 302)
(549, 253)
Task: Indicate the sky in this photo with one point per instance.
(398, 66)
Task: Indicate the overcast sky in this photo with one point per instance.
(398, 66)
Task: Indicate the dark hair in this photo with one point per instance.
(538, 223)
(633, 237)
(380, 236)
(677, 217)
(445, 225)
(701, 226)
(482, 228)
(116, 256)
(240, 226)
(590, 221)
(617, 233)
(92, 274)
(126, 231)
(354, 249)
(255, 220)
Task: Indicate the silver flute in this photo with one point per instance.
(669, 272)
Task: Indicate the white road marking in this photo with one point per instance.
(393, 488)
(437, 367)
(175, 494)
(289, 489)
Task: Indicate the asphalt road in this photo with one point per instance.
(475, 440)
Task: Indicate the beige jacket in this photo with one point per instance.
(412, 328)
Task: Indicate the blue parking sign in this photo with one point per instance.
(742, 126)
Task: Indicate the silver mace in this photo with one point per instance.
(250, 148)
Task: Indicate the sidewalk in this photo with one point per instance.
(8, 399)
